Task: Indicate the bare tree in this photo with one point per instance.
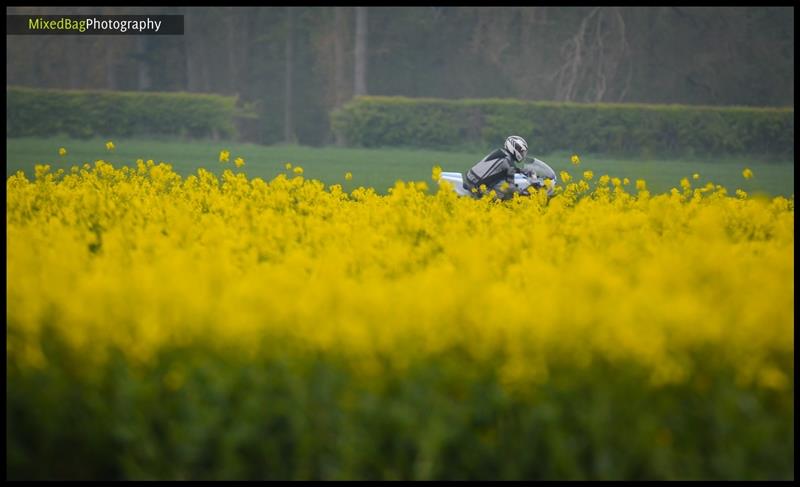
(189, 52)
(360, 87)
(340, 82)
(288, 129)
(592, 58)
(340, 33)
(197, 73)
(232, 47)
(143, 67)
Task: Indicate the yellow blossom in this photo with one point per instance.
(588, 175)
(62, 151)
(695, 176)
(348, 176)
(224, 156)
(239, 162)
(436, 173)
(575, 159)
(298, 170)
(110, 145)
(747, 173)
(288, 165)
(226, 273)
(565, 176)
(40, 170)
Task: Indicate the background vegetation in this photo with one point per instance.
(298, 64)
(641, 130)
(84, 114)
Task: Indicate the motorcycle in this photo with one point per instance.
(533, 174)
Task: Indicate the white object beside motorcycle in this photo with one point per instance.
(534, 172)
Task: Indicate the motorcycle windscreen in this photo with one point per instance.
(540, 169)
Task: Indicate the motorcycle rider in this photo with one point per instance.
(496, 170)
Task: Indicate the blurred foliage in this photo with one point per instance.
(620, 129)
(82, 114)
(233, 328)
(688, 55)
(197, 412)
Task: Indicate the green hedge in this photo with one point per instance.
(35, 112)
(203, 412)
(630, 129)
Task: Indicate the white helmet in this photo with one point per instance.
(517, 147)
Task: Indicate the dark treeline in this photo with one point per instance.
(296, 64)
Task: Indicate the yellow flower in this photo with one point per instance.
(747, 173)
(62, 151)
(110, 145)
(685, 184)
(616, 182)
(224, 156)
(626, 181)
(588, 175)
(575, 159)
(604, 179)
(374, 258)
(641, 185)
(348, 176)
(298, 170)
(288, 165)
(504, 186)
(695, 176)
(239, 162)
(436, 173)
(565, 176)
(41, 169)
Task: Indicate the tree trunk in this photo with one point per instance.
(111, 82)
(340, 29)
(189, 48)
(288, 128)
(143, 74)
(232, 50)
(340, 83)
(197, 70)
(360, 87)
(73, 58)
